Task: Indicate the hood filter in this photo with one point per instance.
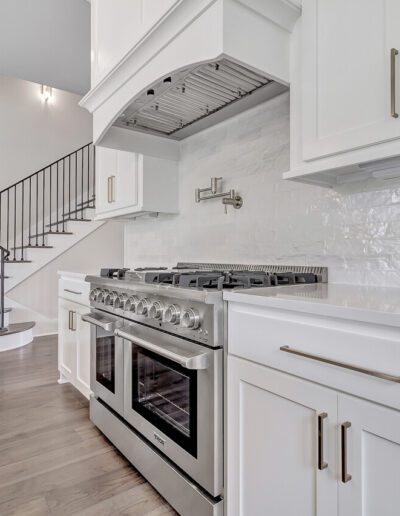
(188, 96)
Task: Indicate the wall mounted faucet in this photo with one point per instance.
(230, 198)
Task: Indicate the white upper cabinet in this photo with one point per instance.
(130, 184)
(117, 26)
(346, 88)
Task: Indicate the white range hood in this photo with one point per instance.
(206, 61)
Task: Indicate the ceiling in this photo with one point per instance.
(46, 41)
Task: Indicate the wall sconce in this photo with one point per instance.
(46, 93)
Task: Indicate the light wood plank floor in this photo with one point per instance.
(53, 460)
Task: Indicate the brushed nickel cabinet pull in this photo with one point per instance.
(345, 475)
(73, 320)
(69, 320)
(370, 372)
(109, 189)
(72, 291)
(393, 53)
(321, 463)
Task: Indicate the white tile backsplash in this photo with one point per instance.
(355, 230)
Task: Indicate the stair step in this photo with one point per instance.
(17, 328)
(66, 220)
(87, 203)
(51, 233)
(7, 309)
(17, 261)
(39, 246)
(78, 210)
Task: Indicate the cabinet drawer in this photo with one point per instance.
(258, 334)
(74, 290)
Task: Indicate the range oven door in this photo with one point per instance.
(106, 359)
(173, 397)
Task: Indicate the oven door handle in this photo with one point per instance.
(101, 322)
(189, 360)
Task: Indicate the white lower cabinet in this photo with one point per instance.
(74, 337)
(274, 446)
(372, 459)
(295, 448)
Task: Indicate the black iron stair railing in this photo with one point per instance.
(42, 203)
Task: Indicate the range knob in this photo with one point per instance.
(156, 310)
(110, 297)
(190, 319)
(143, 306)
(101, 294)
(131, 303)
(172, 314)
(119, 301)
(93, 294)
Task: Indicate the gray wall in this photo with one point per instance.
(46, 41)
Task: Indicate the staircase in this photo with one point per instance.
(41, 216)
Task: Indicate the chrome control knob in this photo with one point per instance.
(131, 303)
(172, 314)
(93, 294)
(156, 310)
(119, 301)
(110, 297)
(101, 294)
(143, 306)
(190, 319)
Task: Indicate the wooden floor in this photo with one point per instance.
(52, 459)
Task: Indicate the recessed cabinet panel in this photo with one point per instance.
(127, 187)
(274, 447)
(106, 179)
(67, 338)
(346, 75)
(372, 459)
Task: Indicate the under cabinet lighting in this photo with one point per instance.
(46, 93)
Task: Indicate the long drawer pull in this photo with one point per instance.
(321, 463)
(352, 367)
(72, 291)
(345, 475)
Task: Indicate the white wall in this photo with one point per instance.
(33, 134)
(102, 248)
(355, 233)
(46, 41)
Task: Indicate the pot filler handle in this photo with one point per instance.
(190, 360)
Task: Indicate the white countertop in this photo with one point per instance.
(379, 305)
(75, 275)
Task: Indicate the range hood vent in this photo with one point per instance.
(187, 101)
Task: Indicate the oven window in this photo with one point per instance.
(166, 395)
(105, 359)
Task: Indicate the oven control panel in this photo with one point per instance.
(189, 319)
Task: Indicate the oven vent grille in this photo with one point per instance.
(190, 95)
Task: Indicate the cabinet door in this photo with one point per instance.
(372, 457)
(106, 178)
(274, 446)
(126, 188)
(346, 74)
(66, 339)
(82, 353)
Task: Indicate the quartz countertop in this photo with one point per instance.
(75, 275)
(377, 305)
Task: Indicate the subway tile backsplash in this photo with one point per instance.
(355, 230)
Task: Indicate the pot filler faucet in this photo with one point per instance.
(230, 198)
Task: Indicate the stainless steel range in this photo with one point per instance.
(157, 370)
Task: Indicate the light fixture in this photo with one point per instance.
(46, 93)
